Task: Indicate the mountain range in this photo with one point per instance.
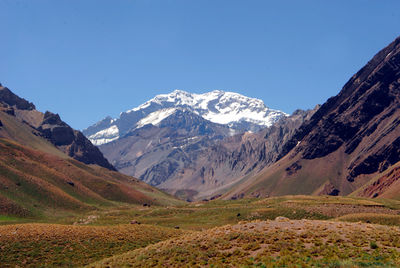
(206, 146)
(236, 111)
(170, 141)
(222, 143)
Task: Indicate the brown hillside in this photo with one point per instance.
(353, 137)
(33, 182)
(38, 179)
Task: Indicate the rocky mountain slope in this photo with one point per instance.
(156, 153)
(166, 141)
(52, 128)
(219, 167)
(39, 179)
(238, 112)
(352, 138)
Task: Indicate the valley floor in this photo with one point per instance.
(290, 231)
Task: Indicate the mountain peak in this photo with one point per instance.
(239, 112)
(179, 91)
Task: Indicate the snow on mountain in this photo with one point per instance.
(155, 117)
(105, 136)
(239, 112)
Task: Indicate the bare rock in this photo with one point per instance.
(281, 219)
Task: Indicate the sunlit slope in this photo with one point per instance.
(33, 182)
(37, 178)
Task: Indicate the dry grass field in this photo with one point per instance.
(49, 245)
(288, 231)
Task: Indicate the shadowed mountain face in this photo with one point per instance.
(363, 118)
(219, 167)
(157, 153)
(354, 135)
(52, 128)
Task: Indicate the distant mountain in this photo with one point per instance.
(219, 166)
(236, 111)
(351, 145)
(52, 128)
(164, 140)
(193, 158)
(157, 153)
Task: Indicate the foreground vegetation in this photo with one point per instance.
(309, 231)
(280, 243)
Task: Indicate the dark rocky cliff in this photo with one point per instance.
(366, 107)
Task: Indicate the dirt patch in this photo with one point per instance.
(87, 220)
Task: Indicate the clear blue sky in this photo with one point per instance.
(91, 58)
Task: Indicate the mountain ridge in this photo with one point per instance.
(351, 139)
(247, 114)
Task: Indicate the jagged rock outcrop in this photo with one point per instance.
(55, 130)
(13, 100)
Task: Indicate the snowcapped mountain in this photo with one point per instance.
(239, 112)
